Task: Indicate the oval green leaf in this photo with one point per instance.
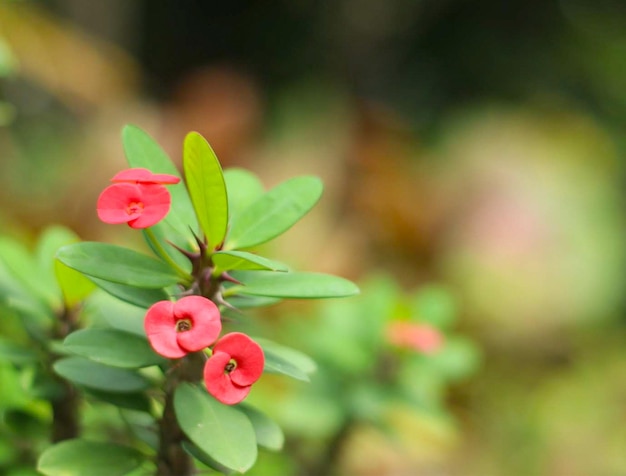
(112, 347)
(117, 264)
(293, 285)
(81, 457)
(275, 212)
(99, 376)
(230, 260)
(268, 433)
(141, 297)
(285, 360)
(143, 151)
(207, 188)
(222, 432)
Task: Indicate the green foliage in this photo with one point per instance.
(274, 212)
(98, 376)
(81, 457)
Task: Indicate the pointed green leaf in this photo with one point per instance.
(81, 457)
(112, 347)
(221, 431)
(117, 264)
(293, 285)
(141, 297)
(275, 212)
(143, 152)
(243, 188)
(268, 433)
(205, 180)
(74, 285)
(229, 260)
(247, 302)
(100, 377)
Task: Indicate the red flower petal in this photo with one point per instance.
(421, 337)
(160, 326)
(247, 354)
(114, 200)
(218, 382)
(156, 201)
(206, 324)
(140, 175)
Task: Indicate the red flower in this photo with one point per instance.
(139, 205)
(187, 325)
(421, 337)
(237, 362)
(144, 176)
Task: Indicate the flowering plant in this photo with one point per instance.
(162, 348)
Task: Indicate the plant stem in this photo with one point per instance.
(65, 420)
(172, 459)
(159, 250)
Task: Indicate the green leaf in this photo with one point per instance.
(246, 302)
(99, 376)
(25, 270)
(207, 188)
(117, 264)
(285, 360)
(222, 432)
(74, 285)
(143, 152)
(104, 310)
(228, 260)
(16, 354)
(275, 212)
(243, 188)
(49, 242)
(81, 457)
(131, 401)
(112, 347)
(268, 433)
(141, 297)
(293, 285)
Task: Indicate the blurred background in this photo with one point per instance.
(474, 146)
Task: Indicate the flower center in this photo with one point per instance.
(134, 208)
(230, 366)
(183, 325)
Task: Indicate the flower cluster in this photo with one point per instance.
(137, 197)
(192, 324)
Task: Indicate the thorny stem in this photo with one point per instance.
(158, 248)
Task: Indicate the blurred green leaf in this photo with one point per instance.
(112, 347)
(16, 354)
(268, 433)
(131, 401)
(104, 310)
(205, 181)
(143, 152)
(293, 285)
(243, 188)
(8, 61)
(435, 305)
(246, 302)
(117, 264)
(458, 359)
(24, 268)
(99, 376)
(275, 212)
(285, 360)
(81, 457)
(230, 260)
(221, 431)
(74, 285)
